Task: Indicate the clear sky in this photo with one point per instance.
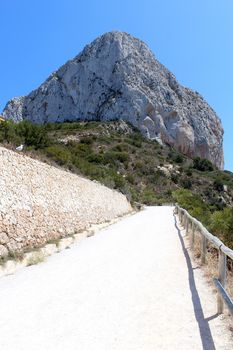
(192, 38)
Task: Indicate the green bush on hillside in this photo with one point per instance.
(112, 157)
(148, 197)
(218, 185)
(193, 203)
(59, 154)
(202, 164)
(221, 224)
(186, 183)
(218, 222)
(32, 135)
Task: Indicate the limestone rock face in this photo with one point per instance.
(118, 77)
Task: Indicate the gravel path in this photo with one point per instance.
(130, 287)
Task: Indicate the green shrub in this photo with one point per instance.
(87, 140)
(135, 140)
(186, 183)
(178, 159)
(175, 157)
(79, 149)
(8, 133)
(175, 178)
(119, 181)
(96, 158)
(138, 165)
(188, 172)
(149, 170)
(112, 157)
(59, 154)
(130, 178)
(154, 178)
(193, 203)
(121, 148)
(218, 185)
(32, 135)
(202, 164)
(221, 224)
(148, 197)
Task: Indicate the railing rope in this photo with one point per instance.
(191, 225)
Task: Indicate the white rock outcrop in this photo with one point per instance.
(118, 77)
(40, 203)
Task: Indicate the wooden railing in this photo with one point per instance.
(192, 227)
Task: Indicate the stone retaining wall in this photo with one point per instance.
(39, 203)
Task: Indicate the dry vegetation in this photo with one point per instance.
(117, 155)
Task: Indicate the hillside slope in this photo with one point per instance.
(118, 156)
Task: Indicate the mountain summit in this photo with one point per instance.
(118, 77)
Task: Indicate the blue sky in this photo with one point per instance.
(192, 38)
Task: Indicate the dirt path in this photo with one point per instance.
(130, 287)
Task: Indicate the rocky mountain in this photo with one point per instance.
(118, 77)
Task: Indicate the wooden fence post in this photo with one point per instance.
(185, 223)
(182, 219)
(187, 226)
(178, 213)
(222, 278)
(193, 235)
(203, 249)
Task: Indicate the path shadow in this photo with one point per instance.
(204, 329)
